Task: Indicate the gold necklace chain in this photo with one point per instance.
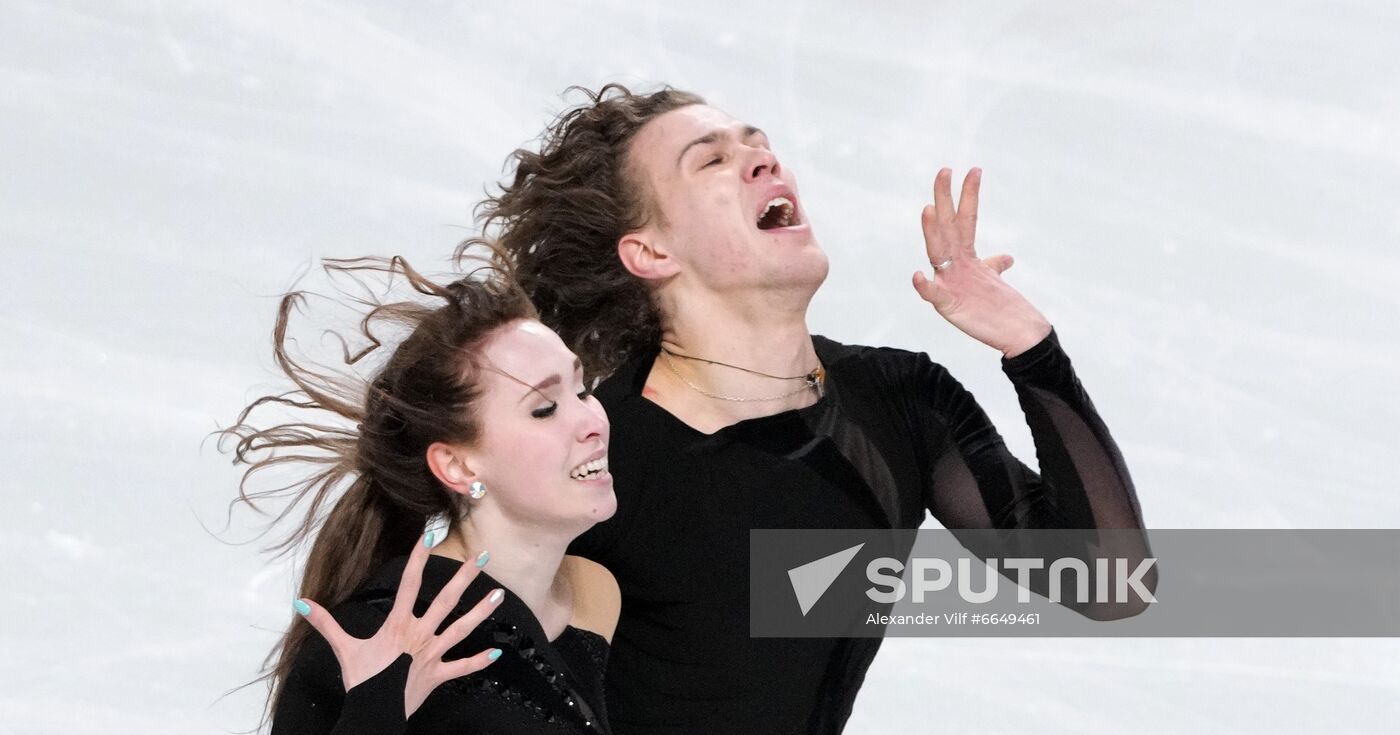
(815, 379)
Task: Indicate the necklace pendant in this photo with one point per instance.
(817, 379)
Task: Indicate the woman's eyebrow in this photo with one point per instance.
(549, 382)
(539, 387)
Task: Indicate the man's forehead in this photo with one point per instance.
(678, 127)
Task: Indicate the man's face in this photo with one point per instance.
(730, 213)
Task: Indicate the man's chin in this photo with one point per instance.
(820, 273)
(818, 265)
(803, 273)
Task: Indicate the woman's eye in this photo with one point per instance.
(584, 394)
(713, 161)
(545, 411)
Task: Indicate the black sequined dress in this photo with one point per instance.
(537, 685)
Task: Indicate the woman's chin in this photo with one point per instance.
(606, 504)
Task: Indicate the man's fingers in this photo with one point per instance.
(450, 594)
(972, 185)
(412, 578)
(463, 626)
(936, 245)
(465, 666)
(321, 619)
(1000, 263)
(927, 219)
(963, 216)
(924, 286)
(967, 203)
(943, 195)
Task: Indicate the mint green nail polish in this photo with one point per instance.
(302, 608)
(428, 540)
(482, 558)
(495, 654)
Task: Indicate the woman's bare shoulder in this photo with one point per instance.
(597, 600)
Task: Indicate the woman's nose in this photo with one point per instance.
(594, 422)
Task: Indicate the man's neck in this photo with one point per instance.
(776, 345)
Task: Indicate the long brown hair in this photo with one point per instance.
(367, 490)
(559, 219)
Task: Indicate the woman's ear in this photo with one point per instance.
(449, 466)
(644, 255)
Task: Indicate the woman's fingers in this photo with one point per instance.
(449, 595)
(321, 619)
(411, 579)
(463, 626)
(465, 666)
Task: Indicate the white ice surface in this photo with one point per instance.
(1201, 195)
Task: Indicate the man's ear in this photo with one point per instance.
(644, 256)
(449, 466)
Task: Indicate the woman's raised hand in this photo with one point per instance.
(405, 633)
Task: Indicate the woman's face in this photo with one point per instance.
(543, 447)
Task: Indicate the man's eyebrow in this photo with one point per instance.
(702, 140)
(749, 132)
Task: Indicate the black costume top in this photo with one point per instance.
(894, 437)
(536, 686)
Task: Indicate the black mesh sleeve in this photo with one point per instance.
(975, 481)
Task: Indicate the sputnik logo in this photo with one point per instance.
(811, 580)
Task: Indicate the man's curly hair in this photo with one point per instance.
(559, 220)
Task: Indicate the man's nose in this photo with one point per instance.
(762, 162)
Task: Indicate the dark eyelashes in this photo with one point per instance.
(547, 411)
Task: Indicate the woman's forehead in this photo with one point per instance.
(528, 351)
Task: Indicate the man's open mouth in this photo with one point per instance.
(780, 212)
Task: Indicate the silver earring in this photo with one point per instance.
(477, 491)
